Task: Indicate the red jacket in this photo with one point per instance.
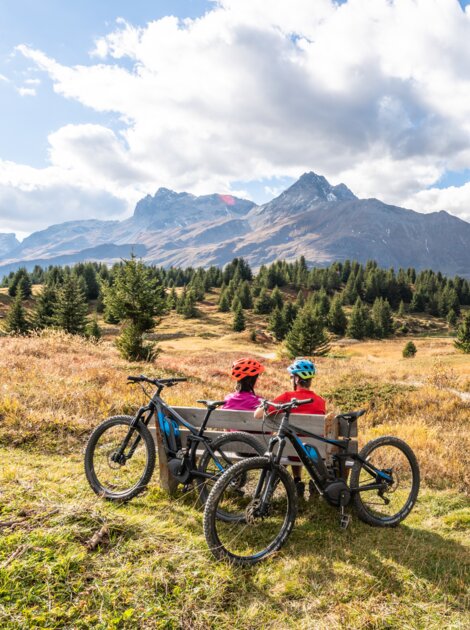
(318, 405)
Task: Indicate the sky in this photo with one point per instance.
(103, 102)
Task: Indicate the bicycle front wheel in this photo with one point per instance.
(114, 471)
(256, 527)
(391, 462)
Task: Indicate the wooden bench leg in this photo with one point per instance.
(331, 431)
(167, 481)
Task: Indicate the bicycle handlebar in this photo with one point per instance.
(289, 405)
(158, 382)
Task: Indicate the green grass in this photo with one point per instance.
(155, 570)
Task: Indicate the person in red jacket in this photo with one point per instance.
(301, 372)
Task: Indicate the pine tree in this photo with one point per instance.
(409, 350)
(307, 336)
(92, 287)
(357, 325)
(236, 304)
(244, 294)
(224, 302)
(300, 301)
(382, 318)
(93, 330)
(16, 321)
(43, 315)
(172, 299)
(451, 318)
(401, 309)
(289, 313)
(277, 325)
(337, 320)
(276, 298)
(24, 287)
(71, 307)
(136, 297)
(238, 320)
(263, 305)
(20, 275)
(132, 346)
(189, 309)
(462, 342)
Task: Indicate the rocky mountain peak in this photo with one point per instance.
(8, 242)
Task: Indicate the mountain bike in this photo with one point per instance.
(120, 455)
(383, 486)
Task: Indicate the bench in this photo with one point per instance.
(222, 420)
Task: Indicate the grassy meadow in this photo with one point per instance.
(152, 568)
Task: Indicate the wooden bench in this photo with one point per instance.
(223, 420)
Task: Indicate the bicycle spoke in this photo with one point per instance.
(124, 474)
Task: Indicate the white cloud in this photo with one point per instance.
(4, 78)
(372, 93)
(26, 91)
(454, 199)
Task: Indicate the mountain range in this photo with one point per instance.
(311, 218)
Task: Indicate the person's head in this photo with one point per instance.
(301, 372)
(246, 372)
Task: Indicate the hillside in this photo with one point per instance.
(153, 569)
(312, 218)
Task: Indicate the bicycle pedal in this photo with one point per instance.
(344, 521)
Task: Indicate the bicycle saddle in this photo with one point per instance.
(350, 416)
(211, 404)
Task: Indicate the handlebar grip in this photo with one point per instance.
(304, 402)
(134, 379)
(179, 380)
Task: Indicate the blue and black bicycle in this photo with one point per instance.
(383, 486)
(120, 455)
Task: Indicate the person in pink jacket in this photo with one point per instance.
(245, 372)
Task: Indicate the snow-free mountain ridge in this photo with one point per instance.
(311, 218)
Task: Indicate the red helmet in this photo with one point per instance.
(246, 367)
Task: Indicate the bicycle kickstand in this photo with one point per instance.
(344, 519)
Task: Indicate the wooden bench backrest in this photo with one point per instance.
(223, 420)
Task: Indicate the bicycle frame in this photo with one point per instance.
(315, 469)
(159, 408)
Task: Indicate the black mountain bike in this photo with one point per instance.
(120, 455)
(383, 487)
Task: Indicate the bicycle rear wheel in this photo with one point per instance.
(228, 449)
(398, 469)
(114, 476)
(252, 532)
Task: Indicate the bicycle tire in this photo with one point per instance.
(367, 515)
(89, 460)
(211, 520)
(222, 441)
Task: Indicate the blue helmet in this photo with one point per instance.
(303, 368)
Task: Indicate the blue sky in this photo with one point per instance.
(242, 100)
(66, 31)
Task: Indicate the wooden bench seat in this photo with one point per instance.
(223, 420)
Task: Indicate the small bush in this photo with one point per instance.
(409, 350)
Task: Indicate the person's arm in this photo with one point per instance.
(259, 412)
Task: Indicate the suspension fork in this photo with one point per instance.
(118, 455)
(264, 490)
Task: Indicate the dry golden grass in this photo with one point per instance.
(155, 571)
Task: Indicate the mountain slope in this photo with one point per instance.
(311, 218)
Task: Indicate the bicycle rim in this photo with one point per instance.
(119, 478)
(389, 504)
(247, 534)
